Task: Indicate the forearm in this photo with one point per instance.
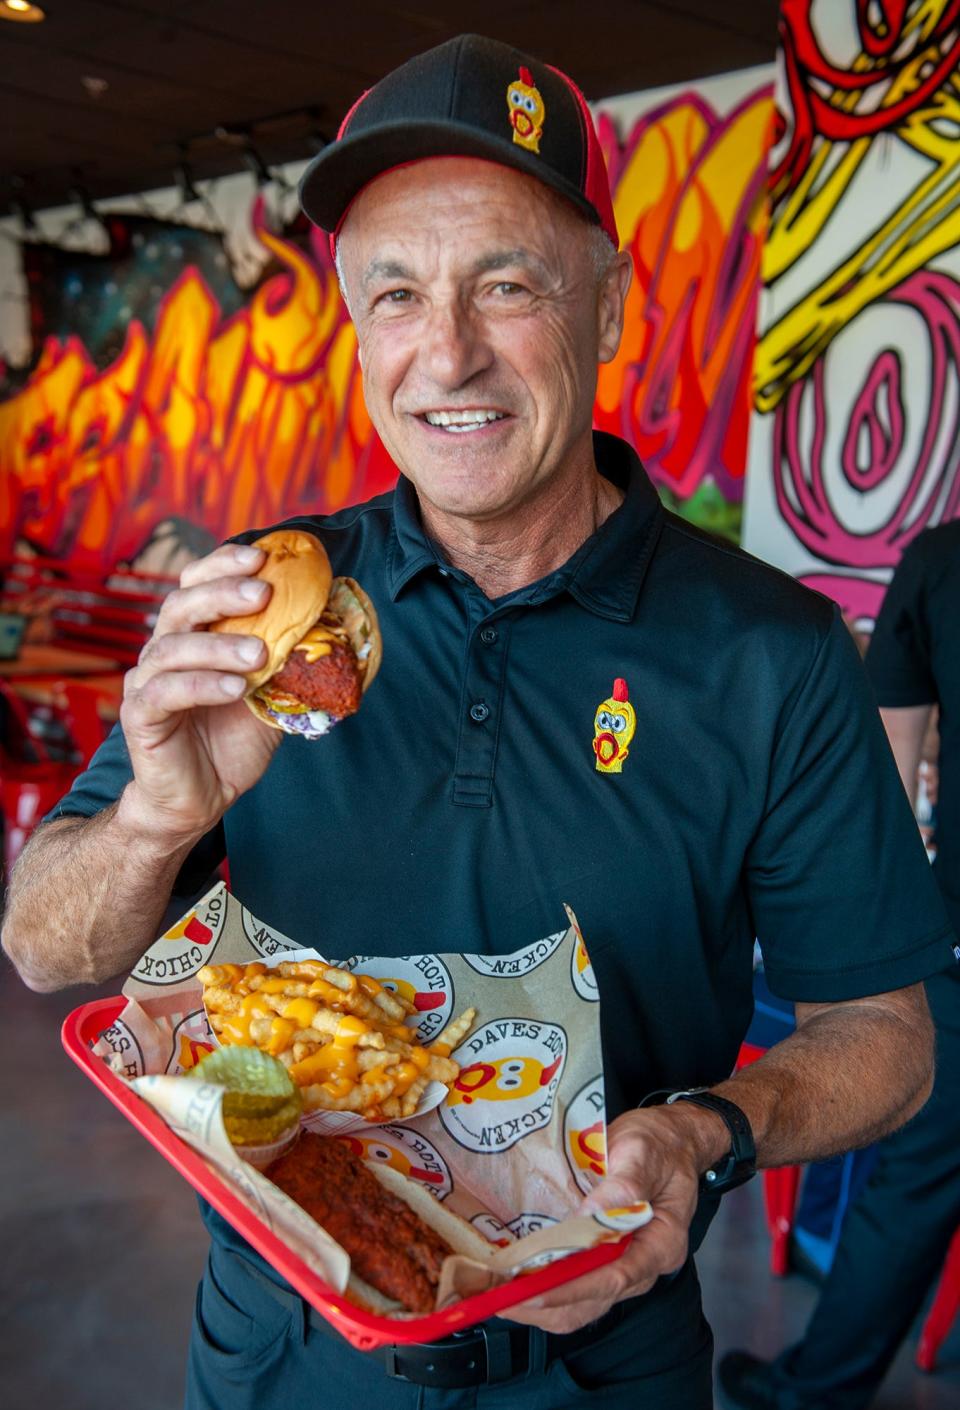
(86, 898)
(906, 728)
(849, 1074)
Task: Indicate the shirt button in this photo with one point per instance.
(479, 712)
(488, 635)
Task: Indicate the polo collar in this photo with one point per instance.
(605, 574)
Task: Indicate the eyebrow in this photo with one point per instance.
(486, 264)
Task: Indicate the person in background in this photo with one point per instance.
(897, 1232)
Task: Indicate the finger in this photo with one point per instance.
(187, 608)
(559, 1320)
(175, 692)
(196, 651)
(229, 560)
(650, 1253)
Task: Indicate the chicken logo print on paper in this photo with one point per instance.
(585, 1135)
(582, 976)
(526, 110)
(423, 981)
(186, 946)
(509, 1074)
(613, 727)
(192, 1039)
(406, 1150)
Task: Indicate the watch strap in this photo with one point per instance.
(741, 1162)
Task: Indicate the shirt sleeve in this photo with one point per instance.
(898, 659)
(102, 782)
(843, 901)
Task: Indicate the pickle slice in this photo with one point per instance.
(261, 1100)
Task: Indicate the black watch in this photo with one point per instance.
(741, 1164)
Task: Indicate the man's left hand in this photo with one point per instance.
(648, 1158)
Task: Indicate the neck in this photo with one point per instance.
(510, 551)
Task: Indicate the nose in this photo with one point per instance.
(453, 349)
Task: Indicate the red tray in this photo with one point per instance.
(365, 1330)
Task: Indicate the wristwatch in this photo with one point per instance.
(741, 1164)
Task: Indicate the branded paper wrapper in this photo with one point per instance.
(514, 1146)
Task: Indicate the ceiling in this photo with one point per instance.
(283, 74)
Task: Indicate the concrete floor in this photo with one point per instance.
(103, 1246)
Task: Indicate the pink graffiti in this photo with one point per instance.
(802, 478)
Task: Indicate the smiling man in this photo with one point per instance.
(581, 698)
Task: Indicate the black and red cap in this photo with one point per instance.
(469, 97)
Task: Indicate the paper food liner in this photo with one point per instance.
(530, 1090)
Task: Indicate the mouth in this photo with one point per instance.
(459, 423)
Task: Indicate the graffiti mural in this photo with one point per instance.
(165, 401)
(856, 435)
(220, 421)
(690, 197)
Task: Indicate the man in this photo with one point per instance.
(521, 569)
(896, 1234)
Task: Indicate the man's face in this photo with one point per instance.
(481, 320)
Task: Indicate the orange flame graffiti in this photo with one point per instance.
(224, 423)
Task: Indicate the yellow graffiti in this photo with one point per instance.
(923, 225)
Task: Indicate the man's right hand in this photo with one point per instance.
(194, 746)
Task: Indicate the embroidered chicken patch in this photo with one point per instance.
(526, 110)
(613, 728)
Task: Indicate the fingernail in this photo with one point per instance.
(248, 556)
(252, 589)
(249, 648)
(233, 685)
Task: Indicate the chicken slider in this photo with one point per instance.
(321, 634)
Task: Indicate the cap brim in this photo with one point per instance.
(341, 171)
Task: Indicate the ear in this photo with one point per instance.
(612, 304)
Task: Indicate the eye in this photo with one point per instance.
(507, 286)
(395, 296)
(529, 104)
(618, 724)
(510, 1075)
(380, 1152)
(516, 99)
(604, 720)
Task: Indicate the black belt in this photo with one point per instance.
(490, 1352)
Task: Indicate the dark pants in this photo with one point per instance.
(893, 1243)
(251, 1350)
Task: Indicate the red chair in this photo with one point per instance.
(946, 1304)
(780, 1189)
(36, 772)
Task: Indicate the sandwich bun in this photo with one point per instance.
(320, 615)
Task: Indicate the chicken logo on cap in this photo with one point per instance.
(613, 730)
(527, 111)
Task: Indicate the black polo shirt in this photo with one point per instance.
(914, 659)
(464, 803)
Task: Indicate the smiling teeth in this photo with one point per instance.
(462, 420)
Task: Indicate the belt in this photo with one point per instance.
(490, 1352)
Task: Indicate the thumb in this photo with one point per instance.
(613, 1193)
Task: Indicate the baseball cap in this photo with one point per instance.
(469, 97)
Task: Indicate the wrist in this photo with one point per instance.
(719, 1135)
(149, 829)
(703, 1132)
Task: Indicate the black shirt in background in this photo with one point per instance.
(914, 659)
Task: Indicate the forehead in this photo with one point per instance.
(450, 203)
